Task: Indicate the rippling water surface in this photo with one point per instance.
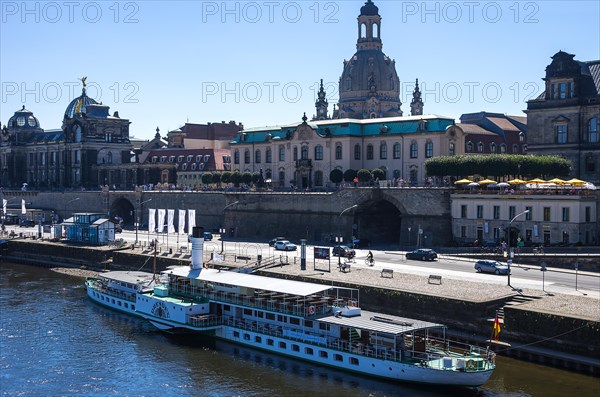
(56, 342)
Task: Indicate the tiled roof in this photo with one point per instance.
(212, 159)
(214, 131)
(474, 129)
(503, 123)
(594, 68)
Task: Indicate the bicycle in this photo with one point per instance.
(370, 262)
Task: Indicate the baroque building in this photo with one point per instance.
(65, 158)
(564, 119)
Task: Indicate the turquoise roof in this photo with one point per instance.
(351, 127)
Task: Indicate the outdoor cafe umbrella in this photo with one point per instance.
(576, 182)
(517, 181)
(463, 182)
(473, 184)
(558, 181)
(537, 180)
(503, 184)
(486, 182)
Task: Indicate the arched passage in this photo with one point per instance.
(379, 221)
(124, 209)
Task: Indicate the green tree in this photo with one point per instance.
(217, 178)
(349, 175)
(207, 178)
(247, 178)
(236, 178)
(226, 177)
(255, 177)
(336, 176)
(364, 175)
(378, 173)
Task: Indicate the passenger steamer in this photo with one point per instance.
(317, 323)
(118, 290)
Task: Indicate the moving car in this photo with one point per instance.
(284, 245)
(276, 239)
(423, 254)
(343, 251)
(488, 266)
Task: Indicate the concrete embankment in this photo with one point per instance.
(560, 330)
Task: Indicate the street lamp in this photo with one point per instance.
(339, 240)
(222, 232)
(510, 256)
(345, 210)
(137, 220)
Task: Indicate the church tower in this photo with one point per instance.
(416, 105)
(369, 86)
(321, 104)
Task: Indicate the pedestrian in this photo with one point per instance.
(355, 181)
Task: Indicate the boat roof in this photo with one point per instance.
(132, 277)
(299, 288)
(378, 322)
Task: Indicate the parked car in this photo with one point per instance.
(361, 242)
(26, 223)
(343, 251)
(423, 254)
(208, 236)
(274, 240)
(488, 266)
(284, 245)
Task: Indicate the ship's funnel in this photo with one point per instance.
(197, 246)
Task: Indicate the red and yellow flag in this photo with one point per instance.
(496, 329)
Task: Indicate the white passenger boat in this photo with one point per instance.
(317, 323)
(118, 289)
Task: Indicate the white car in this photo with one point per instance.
(284, 245)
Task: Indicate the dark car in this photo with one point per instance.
(208, 236)
(489, 266)
(361, 242)
(423, 254)
(274, 240)
(343, 251)
(26, 223)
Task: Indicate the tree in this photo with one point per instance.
(256, 178)
(247, 178)
(207, 178)
(226, 177)
(364, 175)
(217, 178)
(349, 175)
(336, 175)
(236, 178)
(378, 173)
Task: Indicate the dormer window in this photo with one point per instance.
(180, 159)
(521, 137)
(184, 167)
(206, 158)
(193, 166)
(154, 159)
(171, 159)
(198, 158)
(163, 159)
(189, 158)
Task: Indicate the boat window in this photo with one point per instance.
(126, 306)
(132, 307)
(246, 336)
(119, 302)
(270, 342)
(295, 321)
(282, 345)
(309, 351)
(323, 354)
(270, 316)
(260, 314)
(353, 360)
(338, 357)
(308, 323)
(248, 312)
(226, 308)
(295, 348)
(324, 327)
(281, 319)
(113, 301)
(236, 334)
(257, 339)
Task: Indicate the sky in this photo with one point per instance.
(164, 63)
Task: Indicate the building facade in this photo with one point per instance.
(564, 119)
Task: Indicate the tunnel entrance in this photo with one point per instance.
(378, 221)
(122, 208)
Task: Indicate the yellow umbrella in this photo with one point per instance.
(558, 181)
(575, 182)
(462, 182)
(537, 180)
(517, 182)
(487, 182)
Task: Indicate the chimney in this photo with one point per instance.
(197, 246)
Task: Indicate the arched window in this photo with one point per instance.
(338, 151)
(246, 156)
(469, 146)
(375, 30)
(268, 156)
(521, 136)
(363, 30)
(383, 151)
(480, 147)
(295, 153)
(492, 147)
(318, 152)
(281, 153)
(502, 148)
(236, 157)
(304, 153)
(397, 150)
(593, 130)
(515, 148)
(590, 164)
(369, 152)
(414, 150)
(109, 157)
(429, 149)
(318, 178)
(257, 156)
(281, 178)
(452, 149)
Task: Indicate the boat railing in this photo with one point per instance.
(103, 289)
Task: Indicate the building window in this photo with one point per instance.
(529, 216)
(593, 130)
(492, 148)
(281, 153)
(515, 148)
(502, 148)
(480, 147)
(246, 156)
(268, 156)
(189, 158)
(480, 212)
(383, 151)
(590, 164)
(512, 211)
(257, 156)
(521, 137)
(295, 153)
(496, 212)
(496, 233)
(565, 214)
(452, 149)
(318, 152)
(469, 146)
(304, 152)
(397, 151)
(357, 152)
(463, 231)
(236, 157)
(414, 150)
(463, 211)
(282, 178)
(561, 133)
(546, 214)
(370, 154)
(338, 151)
(588, 214)
(429, 150)
(318, 178)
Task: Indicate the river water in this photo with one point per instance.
(54, 341)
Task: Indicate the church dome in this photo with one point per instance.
(23, 118)
(369, 71)
(78, 105)
(369, 9)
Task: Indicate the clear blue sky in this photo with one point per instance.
(164, 63)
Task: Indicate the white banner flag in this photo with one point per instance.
(181, 228)
(216, 257)
(23, 209)
(170, 220)
(4, 203)
(161, 221)
(151, 220)
(191, 220)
